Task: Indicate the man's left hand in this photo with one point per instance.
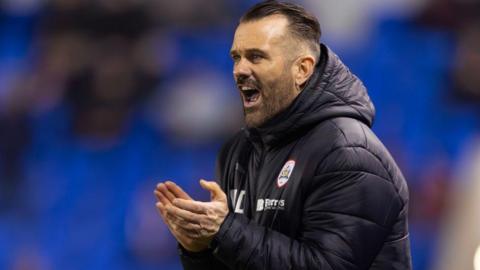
(200, 220)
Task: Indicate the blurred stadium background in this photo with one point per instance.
(99, 100)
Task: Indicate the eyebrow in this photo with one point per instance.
(249, 51)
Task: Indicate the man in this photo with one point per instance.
(306, 185)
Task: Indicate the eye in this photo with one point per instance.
(235, 58)
(255, 58)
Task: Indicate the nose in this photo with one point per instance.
(241, 69)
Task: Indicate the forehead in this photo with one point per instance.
(261, 33)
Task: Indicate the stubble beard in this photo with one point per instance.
(275, 98)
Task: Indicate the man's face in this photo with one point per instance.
(262, 55)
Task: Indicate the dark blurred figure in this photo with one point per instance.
(125, 18)
(14, 136)
(461, 18)
(104, 96)
(467, 62)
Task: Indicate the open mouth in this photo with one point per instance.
(251, 96)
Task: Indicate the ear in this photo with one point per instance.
(303, 69)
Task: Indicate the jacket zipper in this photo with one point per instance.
(253, 195)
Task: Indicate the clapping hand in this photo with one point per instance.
(192, 223)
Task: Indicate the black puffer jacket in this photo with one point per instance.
(312, 189)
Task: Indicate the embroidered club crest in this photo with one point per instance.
(285, 173)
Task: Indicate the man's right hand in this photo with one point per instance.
(166, 193)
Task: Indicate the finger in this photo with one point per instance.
(186, 215)
(215, 190)
(188, 226)
(172, 227)
(172, 221)
(165, 192)
(161, 198)
(190, 233)
(180, 226)
(169, 218)
(177, 190)
(161, 209)
(163, 215)
(191, 206)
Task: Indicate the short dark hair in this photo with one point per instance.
(303, 25)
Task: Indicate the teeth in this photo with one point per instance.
(246, 88)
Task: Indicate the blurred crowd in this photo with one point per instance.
(99, 100)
